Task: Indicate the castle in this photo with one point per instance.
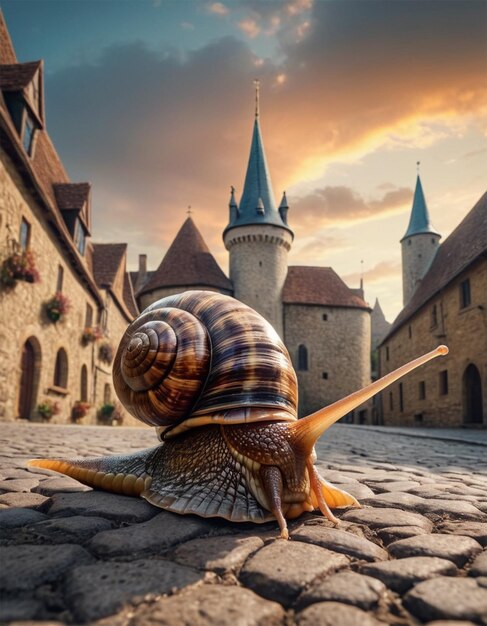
(445, 301)
(324, 324)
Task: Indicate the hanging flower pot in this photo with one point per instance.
(19, 266)
(90, 335)
(58, 306)
(106, 352)
(79, 410)
(47, 408)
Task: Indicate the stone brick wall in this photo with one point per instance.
(417, 252)
(258, 268)
(23, 315)
(338, 346)
(464, 331)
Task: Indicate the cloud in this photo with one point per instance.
(187, 25)
(377, 274)
(341, 204)
(249, 27)
(218, 8)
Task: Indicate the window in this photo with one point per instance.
(79, 237)
(409, 242)
(107, 394)
(89, 316)
(60, 278)
(324, 375)
(422, 390)
(302, 358)
(325, 317)
(443, 382)
(83, 394)
(410, 331)
(401, 398)
(24, 234)
(465, 296)
(28, 134)
(434, 316)
(418, 418)
(61, 369)
(391, 401)
(387, 353)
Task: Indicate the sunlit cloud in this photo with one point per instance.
(378, 273)
(249, 27)
(218, 8)
(281, 79)
(299, 6)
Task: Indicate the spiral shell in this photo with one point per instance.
(199, 353)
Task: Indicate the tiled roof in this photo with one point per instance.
(16, 76)
(464, 246)
(188, 262)
(419, 222)
(318, 285)
(71, 195)
(106, 262)
(7, 52)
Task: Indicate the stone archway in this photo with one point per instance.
(29, 377)
(472, 396)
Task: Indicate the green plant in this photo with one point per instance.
(47, 408)
(19, 266)
(57, 306)
(107, 409)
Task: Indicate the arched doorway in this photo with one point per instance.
(472, 396)
(29, 377)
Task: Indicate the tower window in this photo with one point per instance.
(401, 398)
(302, 358)
(465, 295)
(61, 369)
(89, 316)
(24, 234)
(387, 353)
(325, 317)
(60, 278)
(422, 390)
(432, 241)
(79, 237)
(434, 316)
(443, 382)
(324, 375)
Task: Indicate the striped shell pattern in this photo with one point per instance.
(199, 353)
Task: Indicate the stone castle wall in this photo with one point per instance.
(464, 331)
(150, 297)
(23, 315)
(258, 268)
(417, 252)
(338, 346)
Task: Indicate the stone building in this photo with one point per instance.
(325, 324)
(45, 233)
(445, 290)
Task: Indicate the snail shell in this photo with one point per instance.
(201, 353)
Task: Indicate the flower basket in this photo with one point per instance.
(105, 413)
(58, 306)
(47, 408)
(79, 410)
(106, 352)
(90, 335)
(19, 266)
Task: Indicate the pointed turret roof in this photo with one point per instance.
(257, 205)
(419, 221)
(188, 263)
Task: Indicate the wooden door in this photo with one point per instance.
(27, 381)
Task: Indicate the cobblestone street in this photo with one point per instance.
(414, 554)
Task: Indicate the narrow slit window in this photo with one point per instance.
(302, 358)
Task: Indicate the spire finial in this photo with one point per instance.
(257, 89)
(189, 210)
(418, 163)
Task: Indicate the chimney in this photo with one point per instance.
(142, 273)
(143, 264)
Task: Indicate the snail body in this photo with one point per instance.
(217, 382)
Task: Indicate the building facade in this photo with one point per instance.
(65, 302)
(446, 304)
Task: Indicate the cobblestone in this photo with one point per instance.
(73, 555)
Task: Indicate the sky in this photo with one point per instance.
(152, 102)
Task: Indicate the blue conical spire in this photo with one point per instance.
(419, 221)
(257, 205)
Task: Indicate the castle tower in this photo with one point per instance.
(419, 244)
(258, 237)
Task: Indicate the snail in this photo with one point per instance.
(215, 379)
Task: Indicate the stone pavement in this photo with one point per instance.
(413, 555)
